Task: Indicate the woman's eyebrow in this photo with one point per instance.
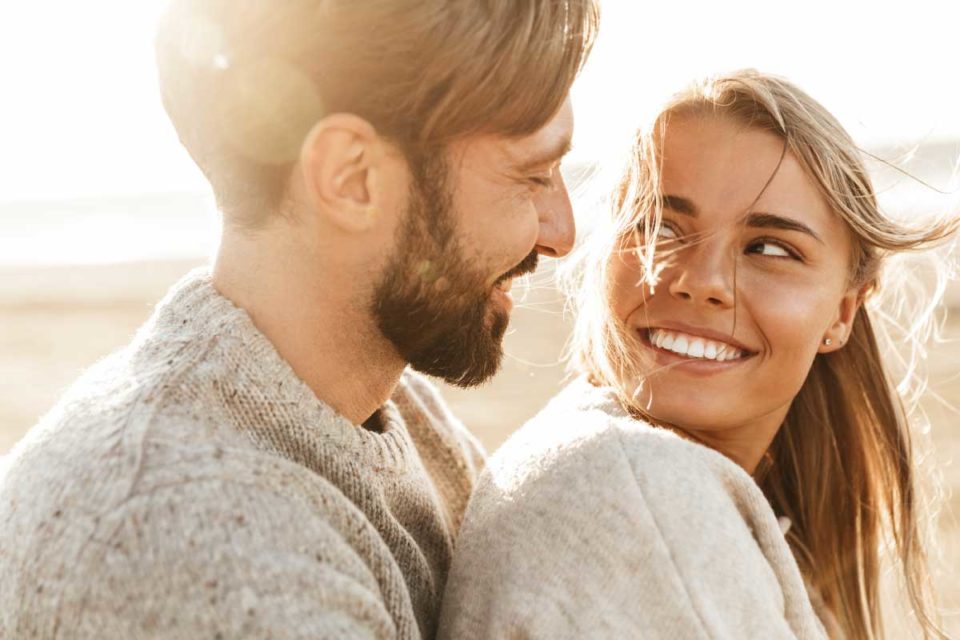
(680, 205)
(774, 221)
(758, 220)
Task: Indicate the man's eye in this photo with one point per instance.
(545, 180)
(542, 181)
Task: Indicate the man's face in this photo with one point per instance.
(476, 218)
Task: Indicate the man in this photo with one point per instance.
(260, 462)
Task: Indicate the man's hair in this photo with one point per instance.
(244, 81)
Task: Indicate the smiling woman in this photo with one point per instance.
(734, 457)
(755, 261)
(759, 227)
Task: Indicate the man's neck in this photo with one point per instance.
(318, 327)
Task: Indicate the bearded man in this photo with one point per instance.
(263, 460)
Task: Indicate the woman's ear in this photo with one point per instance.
(839, 331)
(339, 161)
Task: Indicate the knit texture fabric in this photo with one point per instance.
(192, 486)
(588, 523)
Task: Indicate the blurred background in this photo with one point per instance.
(101, 210)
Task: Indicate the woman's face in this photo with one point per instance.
(754, 280)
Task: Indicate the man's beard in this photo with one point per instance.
(431, 303)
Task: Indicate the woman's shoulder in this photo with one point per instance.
(590, 517)
(584, 433)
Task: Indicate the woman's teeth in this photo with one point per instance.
(692, 346)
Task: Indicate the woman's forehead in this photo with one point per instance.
(726, 169)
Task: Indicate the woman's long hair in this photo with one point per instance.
(842, 464)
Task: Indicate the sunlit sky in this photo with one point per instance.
(81, 116)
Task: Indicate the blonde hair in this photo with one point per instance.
(244, 82)
(842, 464)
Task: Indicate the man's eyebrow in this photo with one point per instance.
(757, 220)
(548, 157)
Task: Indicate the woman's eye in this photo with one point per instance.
(771, 249)
(667, 233)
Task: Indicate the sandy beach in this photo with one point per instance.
(56, 321)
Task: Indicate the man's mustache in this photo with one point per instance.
(528, 265)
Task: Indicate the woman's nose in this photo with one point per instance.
(703, 274)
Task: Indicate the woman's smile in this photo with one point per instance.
(691, 351)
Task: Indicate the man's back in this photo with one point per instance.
(192, 485)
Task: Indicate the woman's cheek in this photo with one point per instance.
(627, 293)
(792, 320)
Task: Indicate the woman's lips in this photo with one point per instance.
(679, 348)
(693, 346)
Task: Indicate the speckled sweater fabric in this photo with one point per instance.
(192, 486)
(588, 523)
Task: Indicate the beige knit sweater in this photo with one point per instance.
(192, 486)
(590, 524)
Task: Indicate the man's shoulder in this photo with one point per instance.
(136, 424)
(117, 408)
(97, 451)
(97, 476)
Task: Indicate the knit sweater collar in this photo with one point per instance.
(194, 312)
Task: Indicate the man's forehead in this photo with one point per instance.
(545, 146)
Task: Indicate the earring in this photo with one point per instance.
(827, 341)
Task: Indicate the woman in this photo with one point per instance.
(734, 455)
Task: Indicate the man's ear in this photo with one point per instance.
(339, 162)
(839, 331)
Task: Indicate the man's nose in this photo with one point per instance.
(558, 231)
